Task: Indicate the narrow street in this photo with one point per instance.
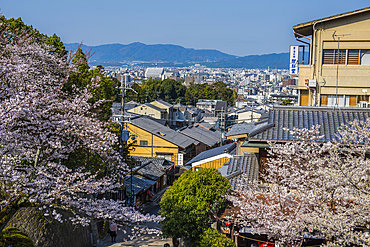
(123, 234)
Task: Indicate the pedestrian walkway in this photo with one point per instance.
(123, 233)
(145, 240)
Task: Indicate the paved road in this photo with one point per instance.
(142, 241)
(145, 240)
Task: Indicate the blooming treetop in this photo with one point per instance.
(311, 186)
(40, 126)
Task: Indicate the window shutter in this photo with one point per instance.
(353, 57)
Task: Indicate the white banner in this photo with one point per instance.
(293, 60)
(180, 159)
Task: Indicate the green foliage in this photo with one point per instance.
(287, 102)
(103, 92)
(174, 91)
(189, 205)
(12, 236)
(84, 77)
(213, 238)
(217, 90)
(168, 90)
(17, 27)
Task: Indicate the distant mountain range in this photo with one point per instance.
(174, 55)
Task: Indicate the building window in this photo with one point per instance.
(165, 156)
(346, 57)
(342, 100)
(143, 143)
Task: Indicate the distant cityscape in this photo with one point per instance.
(259, 85)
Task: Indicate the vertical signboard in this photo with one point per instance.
(293, 60)
(180, 159)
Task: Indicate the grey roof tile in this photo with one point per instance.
(152, 167)
(241, 168)
(162, 131)
(164, 102)
(329, 119)
(201, 134)
(161, 162)
(221, 106)
(229, 148)
(238, 129)
(138, 184)
(155, 107)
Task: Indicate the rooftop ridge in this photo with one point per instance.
(321, 108)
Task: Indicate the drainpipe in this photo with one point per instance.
(309, 94)
(315, 95)
(310, 44)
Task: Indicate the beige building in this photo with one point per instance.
(167, 107)
(149, 110)
(338, 71)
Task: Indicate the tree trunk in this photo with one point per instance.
(175, 242)
(94, 231)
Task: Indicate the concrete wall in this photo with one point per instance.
(48, 232)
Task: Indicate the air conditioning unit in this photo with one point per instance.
(364, 104)
(312, 83)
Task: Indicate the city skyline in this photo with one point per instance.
(238, 28)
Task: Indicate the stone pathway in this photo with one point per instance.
(145, 240)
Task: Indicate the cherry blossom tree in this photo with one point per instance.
(310, 186)
(40, 127)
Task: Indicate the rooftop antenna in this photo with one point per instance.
(336, 87)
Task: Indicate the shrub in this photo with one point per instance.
(12, 236)
(212, 237)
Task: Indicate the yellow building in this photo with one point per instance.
(213, 158)
(153, 139)
(338, 70)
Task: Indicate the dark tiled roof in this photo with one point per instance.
(229, 149)
(240, 168)
(201, 134)
(130, 105)
(155, 107)
(163, 163)
(329, 119)
(221, 106)
(161, 121)
(138, 184)
(238, 129)
(164, 102)
(194, 110)
(206, 125)
(148, 124)
(152, 167)
(151, 171)
(248, 128)
(249, 108)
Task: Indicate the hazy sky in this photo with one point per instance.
(238, 27)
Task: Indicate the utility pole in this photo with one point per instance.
(221, 124)
(125, 135)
